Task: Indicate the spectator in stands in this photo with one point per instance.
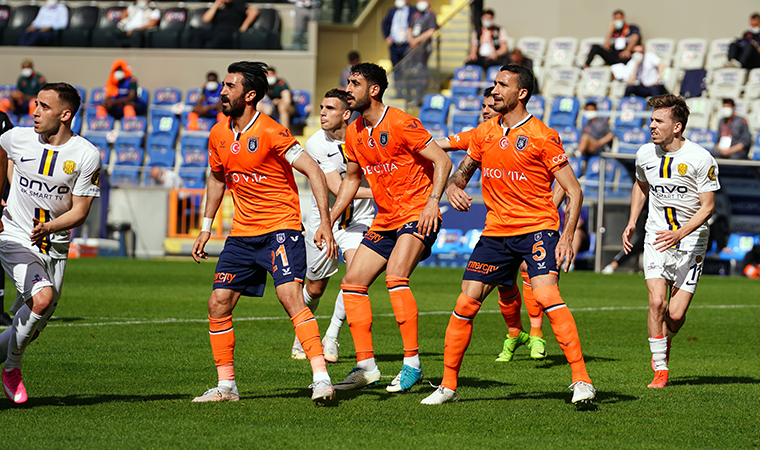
(596, 135)
(52, 16)
(745, 52)
(130, 31)
(395, 25)
(618, 43)
(518, 58)
(209, 104)
(279, 92)
(338, 10)
(488, 47)
(121, 93)
(751, 263)
(644, 72)
(353, 59)
(28, 85)
(166, 178)
(226, 17)
(422, 26)
(734, 138)
(305, 12)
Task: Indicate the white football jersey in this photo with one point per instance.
(675, 181)
(45, 177)
(329, 155)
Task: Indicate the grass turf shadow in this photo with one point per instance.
(80, 400)
(707, 380)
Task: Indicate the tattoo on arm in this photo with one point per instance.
(462, 175)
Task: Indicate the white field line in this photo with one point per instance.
(131, 321)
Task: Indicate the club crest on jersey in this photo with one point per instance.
(699, 259)
(253, 144)
(235, 148)
(521, 143)
(711, 174)
(537, 236)
(95, 178)
(504, 143)
(383, 138)
(682, 169)
(280, 238)
(69, 167)
(371, 142)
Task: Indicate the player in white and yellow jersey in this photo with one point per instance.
(680, 178)
(54, 181)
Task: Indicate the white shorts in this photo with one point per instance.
(681, 268)
(32, 271)
(319, 267)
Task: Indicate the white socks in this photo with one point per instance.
(413, 361)
(321, 376)
(659, 347)
(24, 325)
(368, 364)
(312, 303)
(227, 384)
(338, 317)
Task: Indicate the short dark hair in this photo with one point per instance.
(728, 101)
(272, 69)
(340, 95)
(374, 74)
(618, 11)
(679, 110)
(212, 73)
(755, 16)
(488, 92)
(353, 55)
(254, 77)
(591, 104)
(67, 94)
(525, 78)
(489, 12)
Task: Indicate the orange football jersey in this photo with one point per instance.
(518, 166)
(461, 141)
(401, 180)
(258, 175)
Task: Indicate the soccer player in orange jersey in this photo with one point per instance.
(509, 295)
(520, 157)
(406, 171)
(254, 156)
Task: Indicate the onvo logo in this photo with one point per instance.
(39, 186)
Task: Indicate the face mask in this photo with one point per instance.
(399, 4)
(637, 56)
(212, 85)
(26, 73)
(590, 114)
(142, 4)
(119, 75)
(271, 80)
(51, 2)
(487, 23)
(619, 24)
(422, 6)
(726, 111)
(755, 30)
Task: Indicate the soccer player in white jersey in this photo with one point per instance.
(326, 147)
(680, 178)
(54, 181)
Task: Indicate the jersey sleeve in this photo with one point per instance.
(461, 141)
(416, 137)
(281, 140)
(640, 173)
(88, 181)
(214, 161)
(474, 150)
(707, 175)
(318, 154)
(348, 148)
(552, 155)
(6, 142)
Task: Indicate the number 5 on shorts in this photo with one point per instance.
(538, 248)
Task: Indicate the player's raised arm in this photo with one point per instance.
(574, 194)
(323, 236)
(214, 195)
(638, 198)
(429, 217)
(348, 188)
(458, 181)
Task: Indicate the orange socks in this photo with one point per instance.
(192, 121)
(405, 310)
(307, 332)
(223, 346)
(509, 303)
(458, 335)
(564, 329)
(129, 111)
(359, 318)
(101, 111)
(534, 311)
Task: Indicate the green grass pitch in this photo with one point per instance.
(129, 349)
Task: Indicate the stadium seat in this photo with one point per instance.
(702, 136)
(6, 90)
(469, 104)
(25, 121)
(739, 244)
(129, 156)
(690, 54)
(160, 154)
(82, 96)
(456, 158)
(437, 130)
(627, 110)
(132, 133)
(166, 124)
(194, 151)
(5, 18)
(533, 47)
(435, 109)
(631, 139)
(577, 165)
(752, 88)
(536, 106)
(125, 177)
(192, 97)
(464, 121)
(448, 241)
(595, 82)
(164, 100)
(561, 82)
(467, 81)
(564, 112)
(302, 103)
(561, 52)
(96, 98)
(109, 17)
(264, 33)
(570, 136)
(662, 47)
(99, 126)
(717, 56)
(193, 178)
(144, 95)
(491, 74)
(82, 22)
(726, 83)
(591, 179)
(470, 240)
(21, 17)
(102, 144)
(603, 104)
(195, 21)
(700, 109)
(170, 29)
(77, 121)
(583, 50)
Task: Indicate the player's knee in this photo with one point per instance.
(657, 303)
(547, 296)
(315, 290)
(677, 316)
(42, 300)
(219, 303)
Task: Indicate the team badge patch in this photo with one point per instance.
(95, 178)
(384, 138)
(280, 237)
(371, 142)
(69, 167)
(235, 148)
(699, 259)
(682, 169)
(711, 174)
(253, 144)
(537, 236)
(521, 143)
(504, 143)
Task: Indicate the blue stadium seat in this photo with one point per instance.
(129, 156)
(467, 81)
(602, 104)
(591, 182)
(76, 123)
(491, 73)
(302, 104)
(537, 106)
(193, 178)
(631, 139)
(6, 90)
(125, 177)
(192, 96)
(144, 96)
(102, 144)
(463, 122)
(456, 158)
(448, 241)
(163, 100)
(96, 98)
(99, 126)
(470, 240)
(469, 103)
(193, 141)
(739, 243)
(437, 130)
(564, 112)
(25, 121)
(466, 113)
(626, 109)
(132, 132)
(161, 156)
(570, 137)
(435, 109)
(702, 136)
(194, 151)
(576, 165)
(82, 94)
(165, 124)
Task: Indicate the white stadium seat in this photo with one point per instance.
(752, 88)
(662, 47)
(595, 82)
(561, 52)
(724, 83)
(584, 48)
(700, 109)
(561, 82)
(533, 47)
(717, 56)
(690, 54)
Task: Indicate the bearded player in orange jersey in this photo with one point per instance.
(254, 157)
(520, 157)
(406, 171)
